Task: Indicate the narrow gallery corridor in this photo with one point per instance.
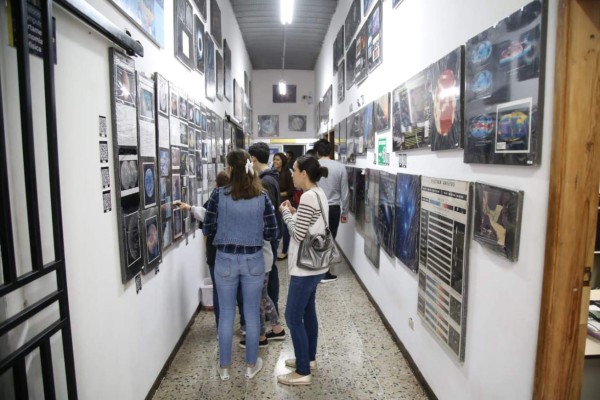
(357, 357)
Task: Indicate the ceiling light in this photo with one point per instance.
(282, 87)
(287, 11)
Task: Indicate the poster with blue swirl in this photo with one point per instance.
(371, 216)
(407, 219)
(443, 261)
(385, 213)
(504, 89)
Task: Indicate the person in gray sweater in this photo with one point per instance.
(335, 186)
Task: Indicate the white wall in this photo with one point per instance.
(262, 100)
(121, 339)
(504, 297)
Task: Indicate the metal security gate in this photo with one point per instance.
(15, 361)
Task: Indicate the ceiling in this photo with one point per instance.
(262, 31)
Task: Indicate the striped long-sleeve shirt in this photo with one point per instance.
(306, 219)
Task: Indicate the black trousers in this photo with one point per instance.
(335, 212)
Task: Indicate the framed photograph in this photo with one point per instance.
(148, 15)
(228, 84)
(210, 76)
(199, 44)
(497, 219)
(215, 22)
(350, 61)
(149, 174)
(162, 95)
(128, 174)
(131, 239)
(151, 234)
(381, 113)
(268, 125)
(396, 3)
(411, 103)
(504, 90)
(447, 100)
(177, 223)
(238, 100)
(361, 67)
(297, 123)
(219, 74)
(352, 22)
(407, 218)
(288, 97)
(443, 260)
(368, 127)
(341, 82)
(201, 5)
(371, 215)
(385, 216)
(184, 38)
(338, 49)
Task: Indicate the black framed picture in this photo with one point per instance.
(199, 44)
(184, 38)
(352, 22)
(215, 22)
(288, 97)
(209, 68)
(228, 84)
(219, 74)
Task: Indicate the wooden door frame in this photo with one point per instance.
(573, 197)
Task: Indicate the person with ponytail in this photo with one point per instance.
(240, 215)
(300, 311)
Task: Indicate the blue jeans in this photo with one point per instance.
(301, 318)
(273, 286)
(230, 270)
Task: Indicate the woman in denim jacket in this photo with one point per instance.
(239, 215)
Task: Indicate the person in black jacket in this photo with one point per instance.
(259, 153)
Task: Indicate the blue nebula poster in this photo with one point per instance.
(407, 220)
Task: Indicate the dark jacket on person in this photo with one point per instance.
(270, 181)
(211, 249)
(286, 184)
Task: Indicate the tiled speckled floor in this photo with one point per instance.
(357, 357)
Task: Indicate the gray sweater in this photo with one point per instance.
(335, 185)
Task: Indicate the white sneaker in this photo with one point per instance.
(291, 363)
(252, 371)
(223, 373)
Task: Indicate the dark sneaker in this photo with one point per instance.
(262, 344)
(329, 278)
(276, 336)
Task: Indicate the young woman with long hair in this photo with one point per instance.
(240, 216)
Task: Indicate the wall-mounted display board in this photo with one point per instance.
(343, 141)
(184, 38)
(350, 171)
(147, 15)
(123, 90)
(368, 128)
(352, 22)
(443, 260)
(411, 103)
(385, 213)
(326, 105)
(338, 49)
(238, 100)
(351, 138)
(220, 74)
(149, 181)
(447, 98)
(350, 63)
(164, 159)
(215, 22)
(228, 84)
(199, 44)
(374, 37)
(341, 82)
(201, 5)
(497, 219)
(210, 75)
(371, 216)
(361, 67)
(504, 90)
(407, 220)
(381, 113)
(360, 188)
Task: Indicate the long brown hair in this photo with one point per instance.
(243, 185)
(284, 160)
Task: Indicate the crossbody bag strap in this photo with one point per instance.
(322, 212)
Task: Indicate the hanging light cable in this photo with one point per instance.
(282, 84)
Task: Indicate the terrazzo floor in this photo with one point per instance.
(357, 357)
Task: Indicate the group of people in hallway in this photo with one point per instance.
(246, 216)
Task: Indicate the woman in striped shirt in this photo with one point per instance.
(300, 312)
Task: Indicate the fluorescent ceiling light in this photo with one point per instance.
(287, 11)
(282, 88)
